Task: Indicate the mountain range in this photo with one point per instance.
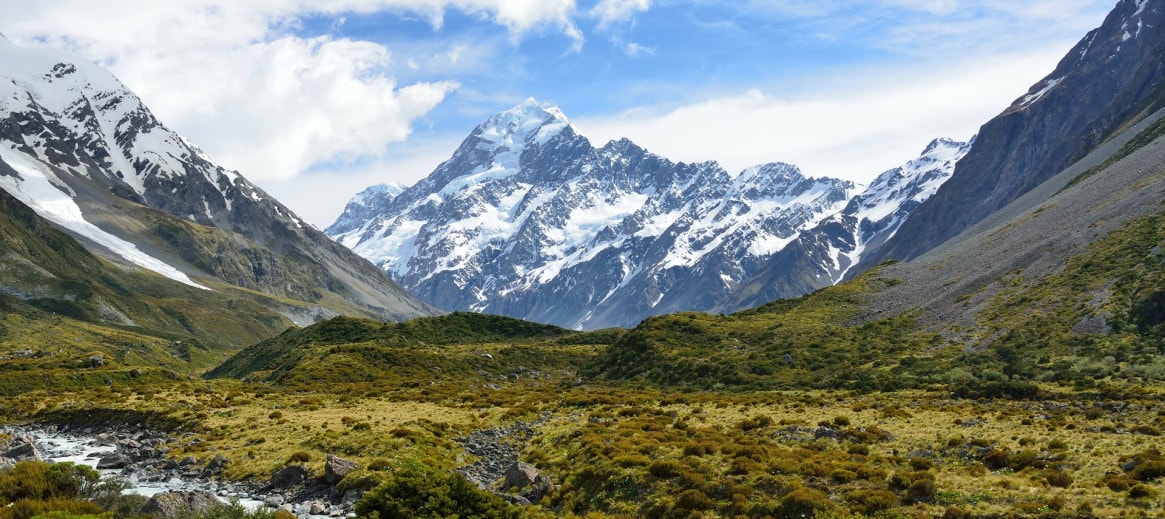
(528, 219)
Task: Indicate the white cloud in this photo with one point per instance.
(635, 49)
(228, 75)
(847, 126)
(614, 11)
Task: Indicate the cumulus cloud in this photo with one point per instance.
(236, 79)
(851, 127)
(610, 12)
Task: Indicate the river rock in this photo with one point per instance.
(113, 461)
(336, 468)
(21, 448)
(318, 508)
(274, 500)
(180, 504)
(289, 476)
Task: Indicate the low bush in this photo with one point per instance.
(420, 493)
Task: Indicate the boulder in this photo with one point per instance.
(180, 504)
(216, 464)
(534, 493)
(520, 475)
(21, 448)
(113, 461)
(336, 468)
(289, 476)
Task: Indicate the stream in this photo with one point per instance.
(139, 460)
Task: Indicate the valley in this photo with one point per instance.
(543, 327)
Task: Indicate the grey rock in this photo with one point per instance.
(21, 448)
(520, 475)
(180, 504)
(336, 468)
(216, 464)
(114, 461)
(289, 476)
(825, 433)
(274, 500)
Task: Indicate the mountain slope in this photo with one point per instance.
(1111, 77)
(528, 219)
(1066, 284)
(84, 152)
(824, 255)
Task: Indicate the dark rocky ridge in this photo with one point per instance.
(1031, 237)
(1113, 75)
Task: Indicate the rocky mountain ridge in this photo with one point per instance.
(1111, 77)
(528, 219)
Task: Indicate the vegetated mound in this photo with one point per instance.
(813, 341)
(347, 349)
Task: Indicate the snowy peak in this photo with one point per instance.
(528, 219)
(529, 122)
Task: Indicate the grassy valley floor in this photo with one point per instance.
(618, 452)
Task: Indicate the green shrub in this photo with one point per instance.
(665, 469)
(29, 508)
(804, 502)
(1058, 478)
(693, 499)
(869, 502)
(921, 490)
(1022, 460)
(1140, 491)
(299, 457)
(421, 493)
(1148, 470)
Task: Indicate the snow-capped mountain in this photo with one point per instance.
(85, 153)
(528, 219)
(826, 254)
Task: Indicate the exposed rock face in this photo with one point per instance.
(335, 469)
(1113, 74)
(180, 504)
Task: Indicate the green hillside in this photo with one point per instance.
(63, 307)
(351, 350)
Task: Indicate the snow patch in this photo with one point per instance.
(37, 190)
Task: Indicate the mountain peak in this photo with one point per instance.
(526, 122)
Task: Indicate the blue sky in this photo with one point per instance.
(315, 101)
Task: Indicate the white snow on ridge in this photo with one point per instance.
(1032, 98)
(37, 190)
